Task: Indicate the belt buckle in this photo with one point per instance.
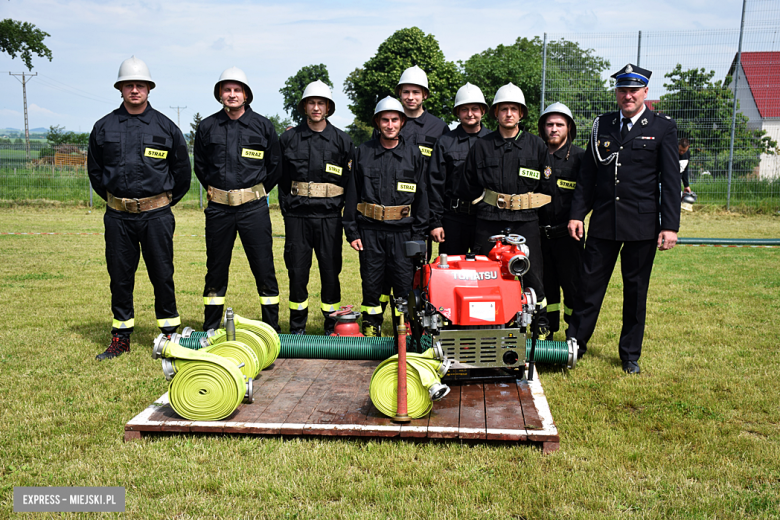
(136, 209)
(230, 196)
(546, 231)
(516, 202)
(454, 203)
(294, 188)
(309, 188)
(405, 210)
(501, 202)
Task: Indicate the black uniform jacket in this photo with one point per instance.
(559, 178)
(138, 156)
(237, 154)
(624, 194)
(445, 169)
(390, 177)
(308, 156)
(505, 166)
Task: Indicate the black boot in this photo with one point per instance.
(119, 345)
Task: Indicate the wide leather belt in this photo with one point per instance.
(139, 205)
(379, 212)
(551, 232)
(236, 197)
(459, 206)
(315, 189)
(529, 200)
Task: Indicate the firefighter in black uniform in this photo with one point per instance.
(138, 163)
(453, 220)
(630, 178)
(316, 162)
(562, 255)
(237, 158)
(502, 178)
(421, 128)
(386, 206)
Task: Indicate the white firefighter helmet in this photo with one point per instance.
(469, 94)
(318, 89)
(509, 93)
(412, 76)
(133, 69)
(237, 75)
(558, 108)
(389, 104)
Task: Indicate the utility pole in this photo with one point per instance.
(25, 78)
(178, 115)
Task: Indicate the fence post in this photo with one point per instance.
(639, 50)
(544, 71)
(734, 107)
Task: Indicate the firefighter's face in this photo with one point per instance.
(682, 149)
(316, 109)
(508, 114)
(232, 94)
(556, 129)
(631, 99)
(390, 124)
(412, 96)
(135, 93)
(471, 114)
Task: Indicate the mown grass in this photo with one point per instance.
(696, 435)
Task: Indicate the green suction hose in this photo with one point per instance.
(335, 347)
(423, 380)
(203, 386)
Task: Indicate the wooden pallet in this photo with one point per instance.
(321, 397)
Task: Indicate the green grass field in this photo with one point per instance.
(696, 435)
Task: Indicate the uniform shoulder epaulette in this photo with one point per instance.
(659, 114)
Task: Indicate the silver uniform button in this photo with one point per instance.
(621, 147)
(617, 198)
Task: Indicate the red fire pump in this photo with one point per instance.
(475, 309)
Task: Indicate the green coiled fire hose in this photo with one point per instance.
(203, 386)
(423, 380)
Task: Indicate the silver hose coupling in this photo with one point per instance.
(438, 391)
(159, 346)
(168, 368)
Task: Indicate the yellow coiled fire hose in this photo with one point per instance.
(203, 386)
(240, 353)
(265, 332)
(423, 380)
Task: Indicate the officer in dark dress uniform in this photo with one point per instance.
(386, 206)
(630, 179)
(237, 158)
(138, 163)
(562, 254)
(502, 176)
(316, 162)
(453, 220)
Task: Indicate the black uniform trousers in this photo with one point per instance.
(383, 264)
(636, 264)
(562, 259)
(126, 239)
(323, 235)
(530, 230)
(252, 222)
(459, 233)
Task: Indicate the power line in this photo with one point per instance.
(178, 115)
(24, 81)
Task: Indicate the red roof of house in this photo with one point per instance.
(762, 70)
(650, 103)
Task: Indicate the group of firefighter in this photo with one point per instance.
(414, 180)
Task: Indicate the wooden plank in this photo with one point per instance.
(266, 388)
(530, 414)
(284, 403)
(503, 415)
(335, 406)
(549, 447)
(361, 404)
(308, 403)
(548, 431)
(445, 416)
(132, 436)
(472, 412)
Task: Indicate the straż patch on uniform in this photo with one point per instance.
(157, 154)
(531, 174)
(252, 154)
(566, 185)
(425, 150)
(331, 168)
(408, 187)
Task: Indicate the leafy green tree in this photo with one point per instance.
(702, 109)
(359, 132)
(196, 119)
(378, 77)
(57, 135)
(573, 76)
(280, 125)
(23, 39)
(295, 85)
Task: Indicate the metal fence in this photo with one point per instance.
(733, 139)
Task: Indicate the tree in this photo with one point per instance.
(196, 119)
(280, 125)
(378, 77)
(703, 110)
(23, 39)
(295, 85)
(57, 136)
(573, 76)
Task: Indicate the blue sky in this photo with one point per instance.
(187, 44)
